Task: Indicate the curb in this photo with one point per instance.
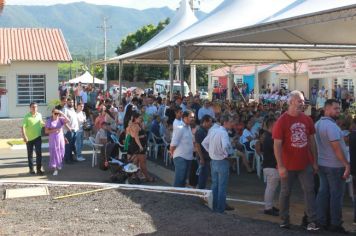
(202, 193)
(44, 145)
(23, 146)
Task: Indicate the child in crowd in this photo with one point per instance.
(269, 168)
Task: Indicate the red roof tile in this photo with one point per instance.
(32, 44)
(302, 67)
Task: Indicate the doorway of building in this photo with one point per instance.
(3, 98)
(313, 90)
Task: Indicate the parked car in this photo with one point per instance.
(148, 91)
(204, 95)
(136, 90)
(117, 88)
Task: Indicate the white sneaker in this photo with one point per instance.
(59, 167)
(55, 173)
(80, 159)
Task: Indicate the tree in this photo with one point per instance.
(136, 40)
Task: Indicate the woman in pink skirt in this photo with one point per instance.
(54, 129)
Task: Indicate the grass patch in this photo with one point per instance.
(21, 142)
(16, 142)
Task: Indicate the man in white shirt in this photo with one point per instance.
(218, 145)
(181, 149)
(178, 120)
(70, 131)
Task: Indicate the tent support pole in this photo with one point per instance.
(171, 68)
(181, 63)
(256, 85)
(295, 74)
(210, 83)
(229, 81)
(120, 80)
(193, 79)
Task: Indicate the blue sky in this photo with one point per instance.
(205, 5)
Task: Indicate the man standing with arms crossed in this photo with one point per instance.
(218, 145)
(295, 151)
(31, 133)
(334, 168)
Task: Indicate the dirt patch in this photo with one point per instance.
(10, 128)
(120, 212)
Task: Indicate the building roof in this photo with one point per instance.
(302, 67)
(33, 44)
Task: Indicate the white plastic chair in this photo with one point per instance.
(116, 140)
(156, 145)
(96, 149)
(237, 157)
(166, 154)
(150, 147)
(248, 154)
(257, 160)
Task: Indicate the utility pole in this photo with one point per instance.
(105, 27)
(193, 6)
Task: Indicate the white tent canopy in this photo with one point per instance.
(86, 78)
(239, 11)
(311, 22)
(302, 28)
(182, 19)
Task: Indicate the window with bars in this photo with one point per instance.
(349, 85)
(335, 83)
(239, 80)
(2, 82)
(283, 83)
(31, 88)
(216, 83)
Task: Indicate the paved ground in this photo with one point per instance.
(245, 191)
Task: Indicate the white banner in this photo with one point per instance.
(332, 67)
(327, 68)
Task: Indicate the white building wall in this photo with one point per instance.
(50, 69)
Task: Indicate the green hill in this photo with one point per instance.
(79, 22)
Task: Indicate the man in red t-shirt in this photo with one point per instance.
(295, 151)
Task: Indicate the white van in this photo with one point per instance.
(163, 86)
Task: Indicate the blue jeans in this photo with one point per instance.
(181, 167)
(37, 143)
(203, 175)
(79, 143)
(220, 177)
(70, 146)
(330, 195)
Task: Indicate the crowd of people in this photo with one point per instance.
(207, 138)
